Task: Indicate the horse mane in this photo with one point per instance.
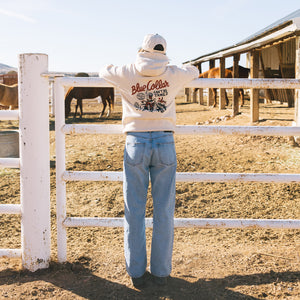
(68, 99)
(69, 94)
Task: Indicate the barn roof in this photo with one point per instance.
(279, 30)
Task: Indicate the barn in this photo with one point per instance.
(272, 52)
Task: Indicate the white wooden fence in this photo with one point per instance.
(34, 161)
(62, 176)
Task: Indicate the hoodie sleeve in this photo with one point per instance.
(188, 73)
(111, 74)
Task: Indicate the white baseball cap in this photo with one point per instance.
(154, 43)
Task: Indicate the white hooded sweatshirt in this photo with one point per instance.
(148, 89)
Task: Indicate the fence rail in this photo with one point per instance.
(188, 177)
(243, 83)
(11, 253)
(10, 163)
(190, 223)
(10, 209)
(9, 115)
(191, 129)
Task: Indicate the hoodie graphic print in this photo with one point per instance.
(148, 89)
(150, 96)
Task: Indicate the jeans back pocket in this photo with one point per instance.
(167, 153)
(134, 153)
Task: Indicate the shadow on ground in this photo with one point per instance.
(81, 282)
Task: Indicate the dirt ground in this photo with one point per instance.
(207, 263)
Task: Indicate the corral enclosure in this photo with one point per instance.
(207, 263)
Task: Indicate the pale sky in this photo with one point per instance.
(85, 35)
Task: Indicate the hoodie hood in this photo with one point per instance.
(151, 64)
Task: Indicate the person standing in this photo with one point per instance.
(148, 88)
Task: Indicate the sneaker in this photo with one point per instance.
(139, 282)
(160, 280)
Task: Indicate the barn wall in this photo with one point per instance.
(279, 62)
(270, 58)
(289, 53)
(282, 57)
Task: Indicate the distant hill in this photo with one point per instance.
(5, 68)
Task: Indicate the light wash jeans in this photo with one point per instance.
(149, 153)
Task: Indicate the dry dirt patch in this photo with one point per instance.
(207, 263)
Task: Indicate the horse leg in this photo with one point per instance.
(227, 101)
(104, 106)
(109, 107)
(80, 106)
(215, 97)
(241, 91)
(76, 107)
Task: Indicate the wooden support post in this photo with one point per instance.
(222, 98)
(235, 92)
(194, 96)
(199, 66)
(187, 95)
(254, 99)
(194, 93)
(200, 91)
(297, 76)
(201, 98)
(210, 92)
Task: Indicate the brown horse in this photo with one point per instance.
(9, 95)
(215, 73)
(79, 93)
(243, 73)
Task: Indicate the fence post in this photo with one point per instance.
(235, 92)
(297, 91)
(60, 142)
(254, 100)
(34, 161)
(222, 94)
(210, 100)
